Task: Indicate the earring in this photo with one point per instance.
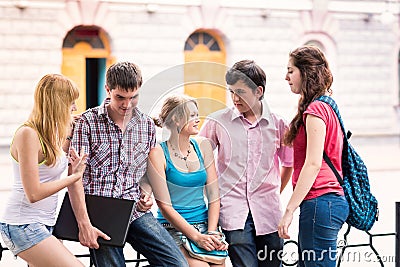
(177, 129)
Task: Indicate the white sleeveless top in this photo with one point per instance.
(19, 211)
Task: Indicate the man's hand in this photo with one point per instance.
(145, 203)
(88, 236)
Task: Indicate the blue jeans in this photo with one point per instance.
(147, 237)
(321, 219)
(248, 250)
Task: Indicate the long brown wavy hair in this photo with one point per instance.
(51, 113)
(316, 79)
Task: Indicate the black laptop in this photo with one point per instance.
(110, 215)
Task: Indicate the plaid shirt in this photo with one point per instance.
(116, 160)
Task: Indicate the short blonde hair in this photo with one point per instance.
(51, 113)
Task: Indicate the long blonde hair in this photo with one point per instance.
(51, 113)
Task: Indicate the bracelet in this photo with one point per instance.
(220, 234)
(69, 138)
(214, 233)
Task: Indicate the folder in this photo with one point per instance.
(110, 215)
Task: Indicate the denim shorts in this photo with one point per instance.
(177, 236)
(18, 238)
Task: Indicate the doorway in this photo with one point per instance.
(95, 81)
(86, 57)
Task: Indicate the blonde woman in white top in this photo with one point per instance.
(39, 161)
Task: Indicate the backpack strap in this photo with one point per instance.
(330, 164)
(329, 100)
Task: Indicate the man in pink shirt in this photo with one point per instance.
(253, 166)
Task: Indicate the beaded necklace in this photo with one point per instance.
(179, 155)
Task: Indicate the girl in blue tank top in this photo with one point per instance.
(182, 175)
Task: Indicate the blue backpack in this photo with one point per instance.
(363, 205)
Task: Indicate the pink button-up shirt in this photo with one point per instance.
(248, 163)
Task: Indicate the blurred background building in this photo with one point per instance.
(81, 38)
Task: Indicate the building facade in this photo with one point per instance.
(168, 39)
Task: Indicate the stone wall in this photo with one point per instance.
(363, 52)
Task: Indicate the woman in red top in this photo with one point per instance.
(314, 129)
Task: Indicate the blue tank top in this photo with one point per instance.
(186, 189)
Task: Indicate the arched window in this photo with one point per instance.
(86, 55)
(202, 38)
(205, 67)
(317, 44)
(87, 34)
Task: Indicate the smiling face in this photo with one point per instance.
(122, 102)
(191, 121)
(293, 76)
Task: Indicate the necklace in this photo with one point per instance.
(179, 155)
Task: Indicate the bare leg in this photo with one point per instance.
(192, 261)
(49, 252)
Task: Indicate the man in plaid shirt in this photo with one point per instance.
(118, 138)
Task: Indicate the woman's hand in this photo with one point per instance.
(209, 242)
(283, 227)
(78, 162)
(221, 237)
